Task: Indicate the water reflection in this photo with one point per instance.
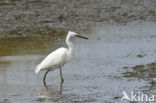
(17, 59)
(3, 72)
(30, 45)
(50, 93)
(45, 84)
(60, 91)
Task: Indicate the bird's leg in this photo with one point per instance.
(62, 80)
(61, 84)
(45, 78)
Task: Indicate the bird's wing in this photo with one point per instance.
(54, 59)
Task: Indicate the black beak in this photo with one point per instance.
(81, 36)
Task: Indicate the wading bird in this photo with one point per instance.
(59, 57)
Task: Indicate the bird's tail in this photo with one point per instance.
(37, 69)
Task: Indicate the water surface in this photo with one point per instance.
(102, 68)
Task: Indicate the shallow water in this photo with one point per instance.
(98, 72)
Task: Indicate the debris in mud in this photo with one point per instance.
(5, 101)
(41, 99)
(138, 67)
(142, 71)
(146, 72)
(117, 97)
(141, 55)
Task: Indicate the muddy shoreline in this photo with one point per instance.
(21, 18)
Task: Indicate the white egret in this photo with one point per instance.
(59, 57)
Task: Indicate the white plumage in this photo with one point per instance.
(54, 60)
(59, 57)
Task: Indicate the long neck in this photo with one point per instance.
(70, 46)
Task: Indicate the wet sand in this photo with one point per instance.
(102, 68)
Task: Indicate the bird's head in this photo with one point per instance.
(73, 34)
